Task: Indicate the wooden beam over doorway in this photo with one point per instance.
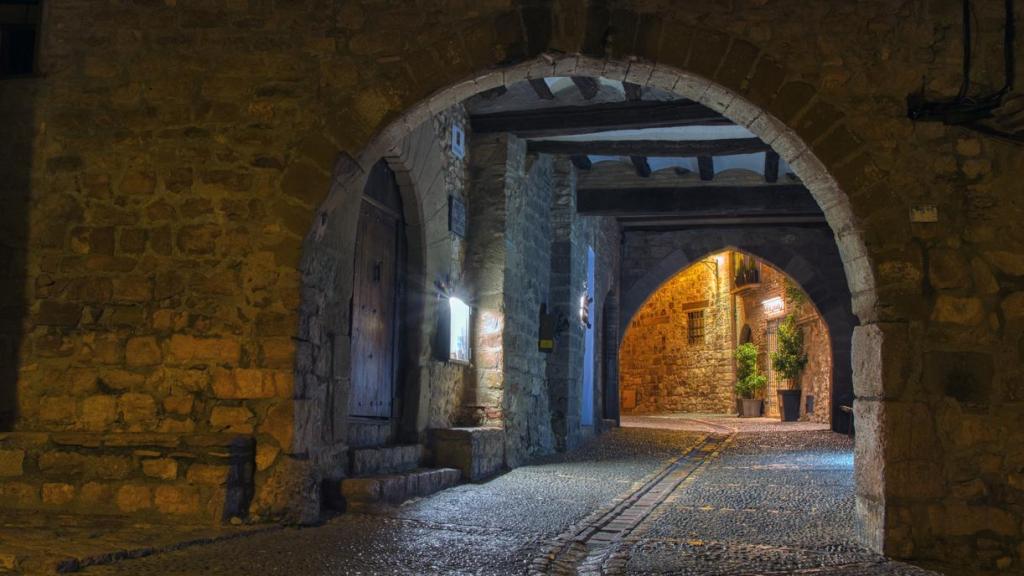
(668, 148)
(564, 120)
(703, 200)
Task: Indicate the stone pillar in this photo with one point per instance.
(507, 270)
(564, 369)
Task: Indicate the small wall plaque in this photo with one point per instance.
(457, 216)
(924, 213)
(458, 142)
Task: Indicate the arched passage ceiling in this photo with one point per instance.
(646, 156)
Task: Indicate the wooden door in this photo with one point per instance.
(374, 299)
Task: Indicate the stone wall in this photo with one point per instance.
(212, 131)
(572, 235)
(816, 378)
(660, 368)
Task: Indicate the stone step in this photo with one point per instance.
(376, 492)
(385, 460)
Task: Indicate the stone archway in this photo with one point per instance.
(325, 263)
(818, 272)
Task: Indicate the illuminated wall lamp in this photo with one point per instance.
(453, 332)
(773, 306)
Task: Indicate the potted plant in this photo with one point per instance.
(748, 381)
(788, 361)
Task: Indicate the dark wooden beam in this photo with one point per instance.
(674, 223)
(580, 161)
(634, 92)
(587, 86)
(643, 168)
(692, 201)
(771, 166)
(563, 120)
(671, 148)
(493, 93)
(541, 88)
(706, 164)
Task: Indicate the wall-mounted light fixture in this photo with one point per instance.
(458, 338)
(452, 343)
(774, 306)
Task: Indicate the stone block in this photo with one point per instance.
(98, 412)
(134, 497)
(142, 351)
(19, 495)
(881, 359)
(478, 453)
(12, 462)
(213, 475)
(162, 468)
(52, 313)
(963, 311)
(176, 500)
(58, 493)
(246, 384)
(361, 489)
(137, 408)
(185, 349)
(58, 409)
(231, 419)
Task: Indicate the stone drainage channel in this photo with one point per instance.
(596, 546)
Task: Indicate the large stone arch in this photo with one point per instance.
(817, 134)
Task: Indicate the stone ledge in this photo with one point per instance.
(149, 477)
(386, 460)
(375, 492)
(478, 452)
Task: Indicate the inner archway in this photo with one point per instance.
(678, 352)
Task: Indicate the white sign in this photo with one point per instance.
(458, 141)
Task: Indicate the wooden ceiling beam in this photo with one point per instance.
(565, 120)
(634, 92)
(702, 200)
(643, 167)
(676, 223)
(581, 161)
(541, 88)
(587, 86)
(706, 165)
(771, 166)
(666, 148)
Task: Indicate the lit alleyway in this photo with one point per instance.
(669, 502)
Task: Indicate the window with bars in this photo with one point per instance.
(695, 327)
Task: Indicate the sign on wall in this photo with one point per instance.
(457, 216)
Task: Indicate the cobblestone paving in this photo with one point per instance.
(769, 504)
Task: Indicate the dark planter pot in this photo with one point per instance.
(789, 405)
(751, 408)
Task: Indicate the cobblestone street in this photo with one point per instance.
(669, 501)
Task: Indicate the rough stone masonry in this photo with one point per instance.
(165, 173)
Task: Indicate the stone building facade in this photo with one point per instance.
(669, 364)
(169, 173)
(815, 379)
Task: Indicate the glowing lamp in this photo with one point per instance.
(774, 306)
(458, 336)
